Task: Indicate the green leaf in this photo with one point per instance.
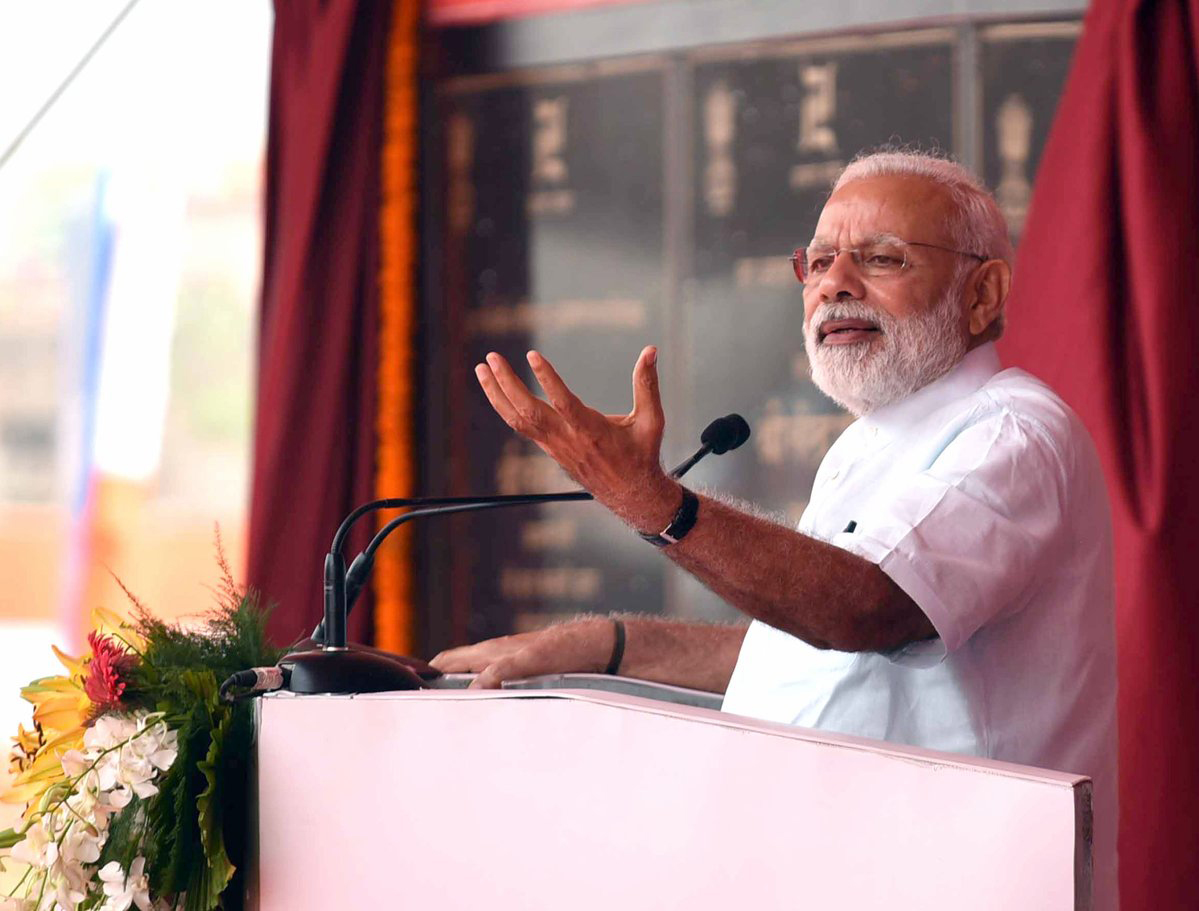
(9, 838)
(172, 838)
(125, 831)
(209, 816)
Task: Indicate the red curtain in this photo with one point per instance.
(1104, 309)
(314, 441)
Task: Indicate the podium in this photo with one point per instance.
(566, 796)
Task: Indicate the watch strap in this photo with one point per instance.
(683, 522)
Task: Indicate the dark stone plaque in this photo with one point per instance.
(1024, 69)
(555, 223)
(771, 133)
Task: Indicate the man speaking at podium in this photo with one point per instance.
(950, 582)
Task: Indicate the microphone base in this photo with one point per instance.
(346, 671)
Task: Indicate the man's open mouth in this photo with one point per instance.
(846, 331)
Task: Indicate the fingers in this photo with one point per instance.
(565, 402)
(582, 645)
(495, 395)
(473, 658)
(510, 667)
(647, 401)
(512, 401)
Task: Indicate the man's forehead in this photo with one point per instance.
(878, 237)
(876, 207)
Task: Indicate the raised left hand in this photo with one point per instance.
(616, 457)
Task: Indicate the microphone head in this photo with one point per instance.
(725, 433)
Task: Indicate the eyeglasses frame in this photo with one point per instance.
(796, 258)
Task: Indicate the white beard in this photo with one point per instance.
(907, 354)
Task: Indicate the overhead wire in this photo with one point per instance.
(66, 83)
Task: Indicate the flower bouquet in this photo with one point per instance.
(135, 774)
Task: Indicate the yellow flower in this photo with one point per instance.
(59, 703)
(61, 711)
(107, 623)
(43, 772)
(26, 743)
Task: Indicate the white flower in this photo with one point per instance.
(157, 745)
(74, 762)
(122, 756)
(146, 747)
(58, 849)
(68, 892)
(79, 846)
(38, 848)
(123, 890)
(109, 730)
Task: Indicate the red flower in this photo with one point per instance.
(110, 663)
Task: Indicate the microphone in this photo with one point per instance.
(722, 435)
(336, 668)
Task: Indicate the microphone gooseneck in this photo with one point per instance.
(722, 435)
(335, 667)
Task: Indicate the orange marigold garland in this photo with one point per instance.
(395, 464)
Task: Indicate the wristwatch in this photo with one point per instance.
(683, 522)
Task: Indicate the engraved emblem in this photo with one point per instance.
(1013, 127)
(720, 126)
(549, 140)
(817, 108)
(550, 194)
(817, 138)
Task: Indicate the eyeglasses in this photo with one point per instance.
(876, 260)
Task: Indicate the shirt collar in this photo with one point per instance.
(967, 377)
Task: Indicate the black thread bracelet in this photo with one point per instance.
(617, 647)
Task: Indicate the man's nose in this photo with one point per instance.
(843, 279)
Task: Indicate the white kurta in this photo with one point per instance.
(981, 496)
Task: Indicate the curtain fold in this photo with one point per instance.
(314, 438)
(1102, 309)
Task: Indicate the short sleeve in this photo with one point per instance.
(969, 535)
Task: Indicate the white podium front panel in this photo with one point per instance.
(582, 800)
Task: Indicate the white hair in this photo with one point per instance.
(977, 227)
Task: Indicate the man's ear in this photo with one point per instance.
(987, 293)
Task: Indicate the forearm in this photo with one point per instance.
(700, 656)
(664, 651)
(823, 594)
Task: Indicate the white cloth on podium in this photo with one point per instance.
(981, 496)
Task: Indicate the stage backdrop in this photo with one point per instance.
(1103, 308)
